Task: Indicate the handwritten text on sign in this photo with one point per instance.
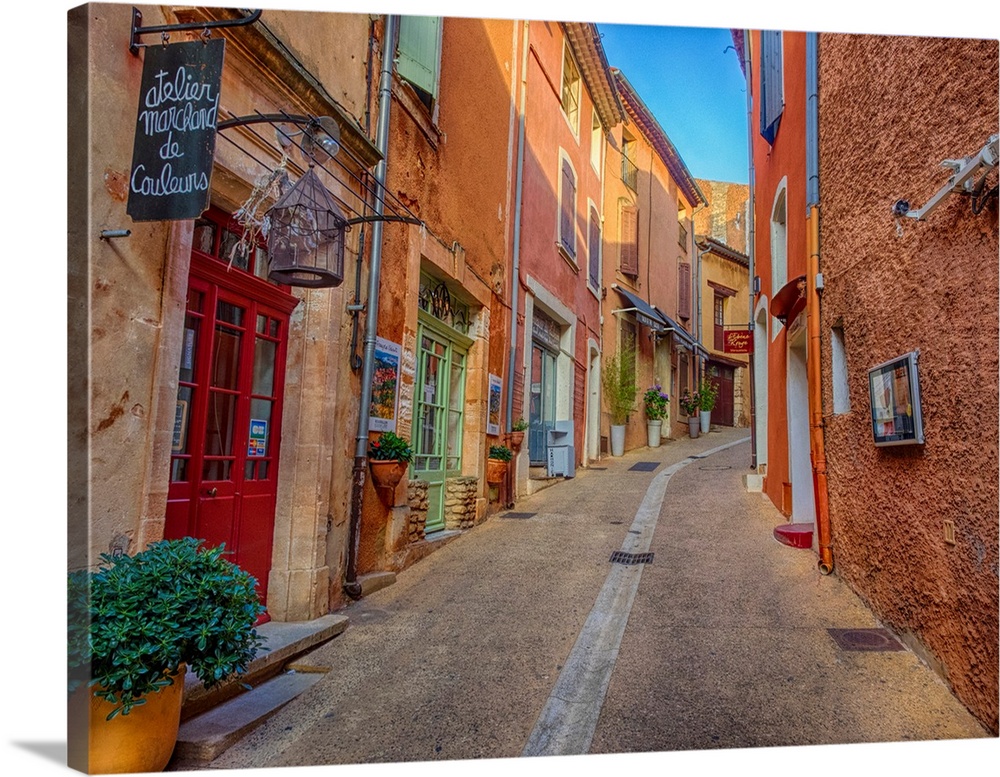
(737, 341)
(175, 131)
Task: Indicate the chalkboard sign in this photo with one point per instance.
(175, 131)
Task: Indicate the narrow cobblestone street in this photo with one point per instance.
(481, 650)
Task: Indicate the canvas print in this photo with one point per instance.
(323, 264)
